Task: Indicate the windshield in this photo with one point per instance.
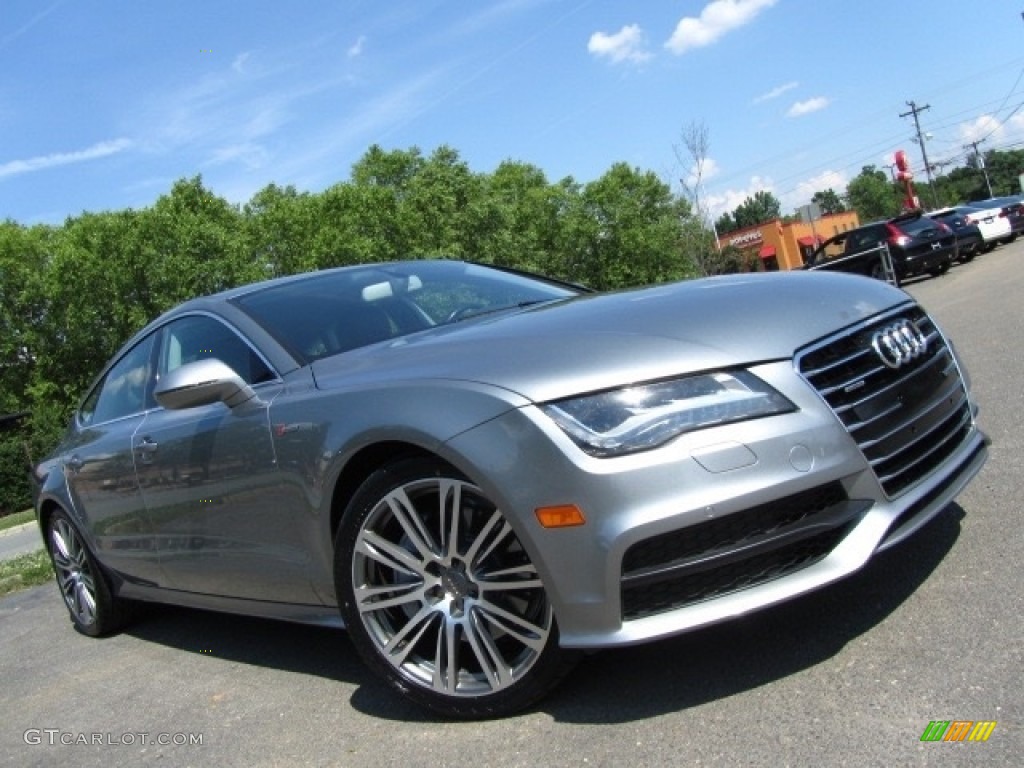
(326, 313)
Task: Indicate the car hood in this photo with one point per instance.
(601, 341)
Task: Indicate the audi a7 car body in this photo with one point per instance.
(480, 472)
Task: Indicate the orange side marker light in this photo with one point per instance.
(560, 516)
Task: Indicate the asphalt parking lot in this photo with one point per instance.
(850, 676)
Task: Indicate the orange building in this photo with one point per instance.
(781, 246)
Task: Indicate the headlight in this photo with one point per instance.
(646, 416)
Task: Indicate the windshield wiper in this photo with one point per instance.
(467, 313)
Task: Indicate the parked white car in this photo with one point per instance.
(977, 229)
(994, 226)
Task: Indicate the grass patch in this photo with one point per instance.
(17, 518)
(10, 521)
(25, 571)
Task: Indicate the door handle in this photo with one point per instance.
(147, 446)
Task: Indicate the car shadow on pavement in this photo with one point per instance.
(613, 686)
(324, 652)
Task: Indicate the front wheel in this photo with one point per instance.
(92, 607)
(440, 597)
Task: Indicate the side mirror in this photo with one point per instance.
(201, 383)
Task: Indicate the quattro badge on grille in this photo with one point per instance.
(898, 344)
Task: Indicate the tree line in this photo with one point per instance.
(71, 294)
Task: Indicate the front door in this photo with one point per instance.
(211, 484)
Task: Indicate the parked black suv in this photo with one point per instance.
(917, 244)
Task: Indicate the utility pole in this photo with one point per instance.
(915, 110)
(981, 164)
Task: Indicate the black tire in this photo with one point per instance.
(421, 541)
(92, 607)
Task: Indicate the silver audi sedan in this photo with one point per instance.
(480, 472)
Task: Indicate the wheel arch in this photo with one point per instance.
(364, 463)
(45, 511)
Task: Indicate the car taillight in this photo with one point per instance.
(896, 235)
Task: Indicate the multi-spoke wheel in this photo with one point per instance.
(441, 598)
(94, 611)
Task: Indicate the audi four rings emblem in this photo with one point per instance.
(898, 344)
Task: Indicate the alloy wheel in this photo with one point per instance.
(446, 592)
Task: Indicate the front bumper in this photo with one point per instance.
(717, 523)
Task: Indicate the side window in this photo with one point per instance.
(126, 389)
(198, 337)
(863, 240)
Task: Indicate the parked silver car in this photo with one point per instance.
(480, 472)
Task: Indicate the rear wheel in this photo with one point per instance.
(440, 597)
(93, 609)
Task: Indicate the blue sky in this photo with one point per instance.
(104, 104)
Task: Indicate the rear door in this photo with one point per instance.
(100, 469)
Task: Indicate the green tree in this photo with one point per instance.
(279, 226)
(725, 224)
(829, 201)
(440, 206)
(519, 217)
(872, 195)
(192, 245)
(1004, 170)
(760, 208)
(23, 259)
(626, 231)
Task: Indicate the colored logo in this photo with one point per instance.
(958, 730)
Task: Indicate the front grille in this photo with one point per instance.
(735, 551)
(906, 420)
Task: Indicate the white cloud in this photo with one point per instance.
(625, 45)
(239, 63)
(356, 49)
(774, 93)
(991, 129)
(42, 162)
(804, 191)
(730, 199)
(702, 173)
(717, 18)
(801, 108)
